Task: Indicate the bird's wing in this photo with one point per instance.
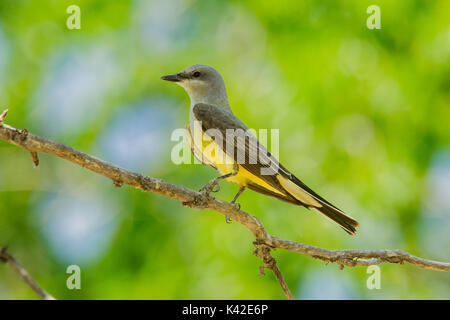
(258, 160)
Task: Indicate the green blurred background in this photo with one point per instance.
(363, 118)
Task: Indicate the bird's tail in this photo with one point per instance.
(346, 222)
(308, 198)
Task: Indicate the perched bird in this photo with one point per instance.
(219, 129)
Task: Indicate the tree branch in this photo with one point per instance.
(6, 257)
(264, 241)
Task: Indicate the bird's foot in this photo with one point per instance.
(237, 206)
(211, 186)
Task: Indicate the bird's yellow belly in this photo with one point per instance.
(213, 153)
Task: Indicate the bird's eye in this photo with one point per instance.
(196, 74)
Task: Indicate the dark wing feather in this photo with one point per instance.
(245, 143)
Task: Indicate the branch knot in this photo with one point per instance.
(262, 251)
(200, 201)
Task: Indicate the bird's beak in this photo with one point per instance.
(174, 77)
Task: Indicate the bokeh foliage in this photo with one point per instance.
(363, 118)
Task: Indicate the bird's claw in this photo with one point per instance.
(212, 186)
(216, 187)
(237, 206)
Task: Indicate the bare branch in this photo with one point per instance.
(356, 257)
(197, 200)
(6, 257)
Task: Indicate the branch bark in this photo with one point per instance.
(264, 241)
(6, 257)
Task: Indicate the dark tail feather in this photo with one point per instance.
(347, 223)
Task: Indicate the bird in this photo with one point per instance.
(218, 138)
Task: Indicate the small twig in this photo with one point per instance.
(24, 135)
(35, 158)
(3, 116)
(7, 258)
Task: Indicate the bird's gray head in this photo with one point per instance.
(203, 84)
